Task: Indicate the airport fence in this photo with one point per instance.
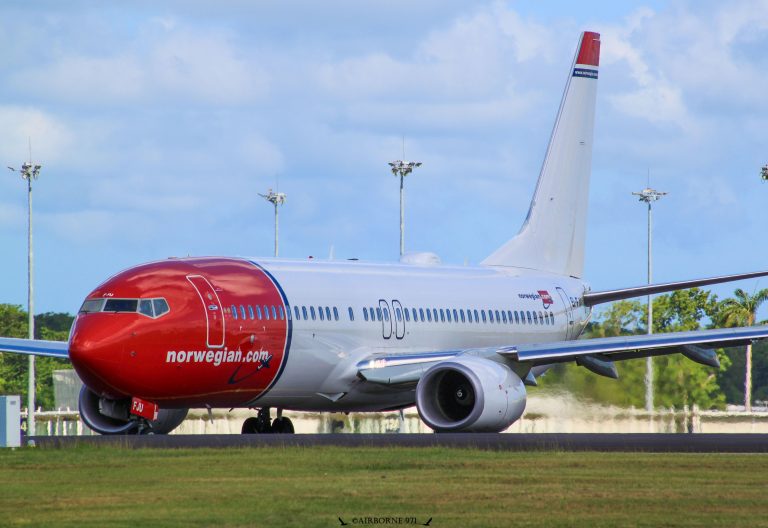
(544, 415)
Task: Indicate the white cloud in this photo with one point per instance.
(474, 58)
(176, 64)
(90, 227)
(86, 79)
(205, 67)
(51, 138)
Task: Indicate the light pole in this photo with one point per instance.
(29, 172)
(649, 196)
(403, 169)
(275, 198)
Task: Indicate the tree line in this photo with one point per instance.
(678, 380)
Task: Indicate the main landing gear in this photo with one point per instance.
(262, 423)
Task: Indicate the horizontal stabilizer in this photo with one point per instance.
(591, 299)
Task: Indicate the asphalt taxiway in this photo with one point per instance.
(656, 443)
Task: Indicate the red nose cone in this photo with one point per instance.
(96, 352)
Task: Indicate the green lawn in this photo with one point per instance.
(91, 486)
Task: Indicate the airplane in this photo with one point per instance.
(459, 342)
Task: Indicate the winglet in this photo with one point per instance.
(589, 54)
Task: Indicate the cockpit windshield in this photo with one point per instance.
(120, 305)
(150, 307)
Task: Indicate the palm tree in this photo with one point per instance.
(741, 310)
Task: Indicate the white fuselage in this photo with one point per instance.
(473, 307)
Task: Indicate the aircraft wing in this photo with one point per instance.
(633, 346)
(595, 354)
(35, 347)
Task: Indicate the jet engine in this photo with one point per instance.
(113, 417)
(470, 394)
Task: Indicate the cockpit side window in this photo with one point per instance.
(161, 307)
(92, 305)
(145, 307)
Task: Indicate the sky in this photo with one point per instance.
(158, 123)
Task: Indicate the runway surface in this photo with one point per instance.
(656, 443)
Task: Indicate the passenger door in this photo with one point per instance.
(214, 316)
(399, 319)
(386, 319)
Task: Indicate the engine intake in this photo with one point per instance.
(113, 417)
(470, 394)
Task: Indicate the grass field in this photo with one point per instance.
(91, 486)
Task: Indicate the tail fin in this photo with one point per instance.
(553, 235)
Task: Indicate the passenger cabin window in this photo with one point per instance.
(304, 313)
(407, 314)
(399, 314)
(365, 313)
(250, 312)
(281, 312)
(320, 313)
(296, 313)
(429, 315)
(490, 316)
(234, 311)
(351, 314)
(266, 312)
(335, 314)
(312, 312)
(258, 312)
(461, 312)
(327, 313)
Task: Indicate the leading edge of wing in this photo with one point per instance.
(542, 353)
(595, 298)
(35, 347)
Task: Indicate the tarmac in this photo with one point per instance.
(652, 443)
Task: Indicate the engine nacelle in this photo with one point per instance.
(113, 417)
(470, 394)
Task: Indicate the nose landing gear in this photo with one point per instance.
(262, 423)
